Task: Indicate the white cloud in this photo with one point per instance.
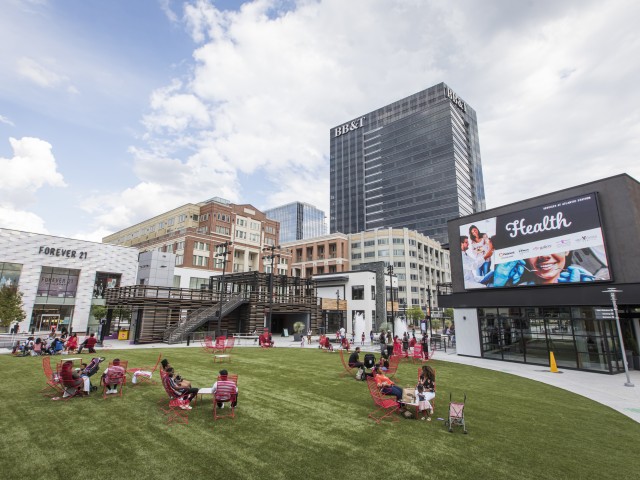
(552, 83)
(44, 76)
(16, 219)
(31, 167)
(6, 121)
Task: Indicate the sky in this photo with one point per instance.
(114, 111)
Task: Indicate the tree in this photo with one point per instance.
(98, 311)
(11, 306)
(415, 314)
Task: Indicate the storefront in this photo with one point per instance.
(530, 278)
(61, 278)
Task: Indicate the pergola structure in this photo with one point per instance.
(157, 309)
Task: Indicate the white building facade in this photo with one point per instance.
(419, 262)
(60, 278)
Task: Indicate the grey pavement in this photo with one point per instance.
(609, 390)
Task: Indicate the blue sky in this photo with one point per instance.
(114, 111)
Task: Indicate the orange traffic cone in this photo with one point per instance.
(552, 363)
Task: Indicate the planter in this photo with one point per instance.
(636, 362)
(297, 337)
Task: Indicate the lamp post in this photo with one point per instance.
(224, 251)
(393, 322)
(338, 307)
(612, 293)
(271, 256)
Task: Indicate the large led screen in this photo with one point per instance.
(557, 243)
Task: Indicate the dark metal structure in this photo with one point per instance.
(158, 310)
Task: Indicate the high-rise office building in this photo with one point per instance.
(298, 221)
(412, 164)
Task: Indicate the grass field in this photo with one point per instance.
(297, 418)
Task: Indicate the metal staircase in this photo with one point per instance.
(201, 316)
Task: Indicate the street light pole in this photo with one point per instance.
(612, 293)
(338, 307)
(272, 256)
(393, 322)
(225, 251)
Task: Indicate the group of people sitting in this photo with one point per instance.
(54, 345)
(182, 389)
(424, 390)
(77, 381)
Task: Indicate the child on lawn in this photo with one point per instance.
(423, 404)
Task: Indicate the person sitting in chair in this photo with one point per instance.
(72, 381)
(354, 359)
(185, 393)
(113, 376)
(225, 388)
(265, 339)
(386, 386)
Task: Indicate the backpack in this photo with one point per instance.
(369, 360)
(359, 374)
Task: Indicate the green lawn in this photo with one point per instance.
(297, 418)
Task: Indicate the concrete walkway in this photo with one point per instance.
(606, 389)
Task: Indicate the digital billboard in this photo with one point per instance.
(556, 243)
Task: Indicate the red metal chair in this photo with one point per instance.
(229, 344)
(219, 346)
(226, 391)
(53, 388)
(71, 387)
(143, 378)
(418, 354)
(394, 361)
(397, 350)
(385, 406)
(347, 368)
(174, 410)
(115, 374)
(208, 344)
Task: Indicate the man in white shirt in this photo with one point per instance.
(470, 265)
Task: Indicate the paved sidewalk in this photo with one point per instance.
(605, 389)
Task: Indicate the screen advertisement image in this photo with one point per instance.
(556, 243)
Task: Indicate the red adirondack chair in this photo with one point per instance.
(385, 406)
(115, 374)
(225, 393)
(347, 369)
(53, 387)
(174, 409)
(144, 378)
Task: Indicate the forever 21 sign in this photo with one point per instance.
(62, 252)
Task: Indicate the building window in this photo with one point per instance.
(355, 245)
(398, 241)
(176, 281)
(181, 218)
(369, 243)
(383, 241)
(356, 256)
(58, 282)
(369, 254)
(357, 292)
(179, 259)
(223, 230)
(373, 292)
(398, 252)
(241, 234)
(180, 246)
(200, 261)
(383, 253)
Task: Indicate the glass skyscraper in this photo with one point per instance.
(414, 163)
(298, 221)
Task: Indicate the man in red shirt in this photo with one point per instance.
(90, 343)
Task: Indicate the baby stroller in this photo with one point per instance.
(92, 368)
(456, 414)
